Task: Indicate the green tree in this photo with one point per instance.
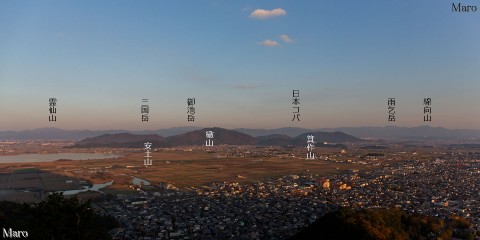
(57, 218)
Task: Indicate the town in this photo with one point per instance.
(279, 207)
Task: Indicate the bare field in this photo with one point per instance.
(181, 168)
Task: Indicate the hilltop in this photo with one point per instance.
(221, 136)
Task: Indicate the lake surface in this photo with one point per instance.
(54, 156)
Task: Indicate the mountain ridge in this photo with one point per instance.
(221, 136)
(386, 132)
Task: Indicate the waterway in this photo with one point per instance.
(95, 188)
(138, 181)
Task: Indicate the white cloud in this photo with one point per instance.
(286, 38)
(269, 43)
(264, 14)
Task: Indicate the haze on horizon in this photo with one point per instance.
(240, 61)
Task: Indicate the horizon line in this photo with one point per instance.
(158, 129)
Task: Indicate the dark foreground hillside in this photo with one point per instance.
(56, 218)
(385, 224)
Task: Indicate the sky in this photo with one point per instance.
(240, 60)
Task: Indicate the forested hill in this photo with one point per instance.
(385, 224)
(56, 218)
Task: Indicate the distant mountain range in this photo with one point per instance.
(279, 134)
(420, 132)
(387, 132)
(288, 131)
(75, 135)
(221, 136)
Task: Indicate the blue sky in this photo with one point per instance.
(100, 58)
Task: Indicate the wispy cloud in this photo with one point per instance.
(286, 38)
(265, 14)
(269, 43)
